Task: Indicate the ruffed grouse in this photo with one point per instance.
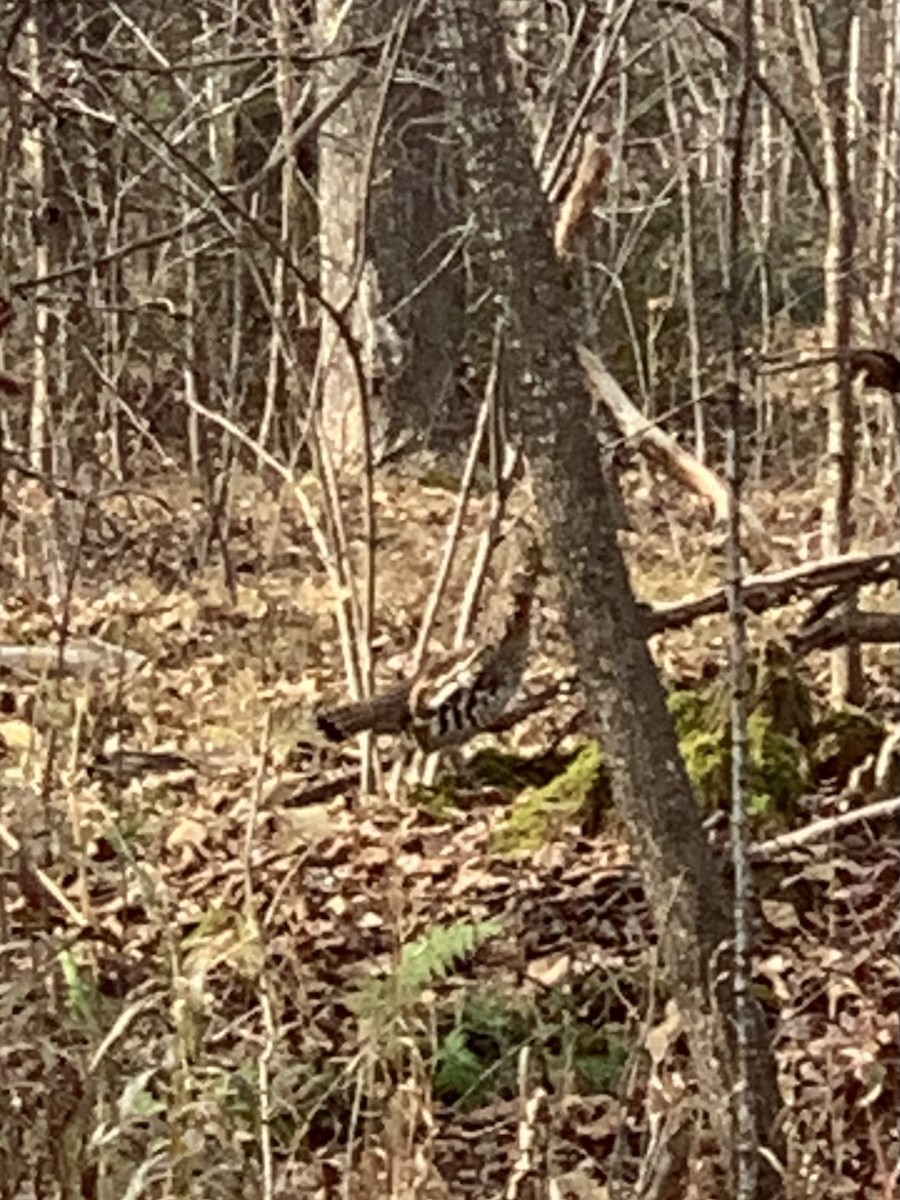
(454, 698)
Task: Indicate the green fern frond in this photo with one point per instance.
(423, 963)
(458, 1070)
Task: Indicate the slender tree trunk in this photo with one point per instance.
(847, 677)
(34, 153)
(831, 98)
(551, 407)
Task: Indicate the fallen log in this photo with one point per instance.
(761, 592)
(778, 588)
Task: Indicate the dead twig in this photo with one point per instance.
(12, 843)
(823, 828)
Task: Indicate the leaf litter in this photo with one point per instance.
(227, 929)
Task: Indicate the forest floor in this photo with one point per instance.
(216, 980)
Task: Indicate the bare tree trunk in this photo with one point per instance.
(34, 151)
(420, 267)
(885, 246)
(687, 202)
(342, 186)
(831, 97)
(551, 407)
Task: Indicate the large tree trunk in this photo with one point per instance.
(407, 306)
(551, 406)
(422, 277)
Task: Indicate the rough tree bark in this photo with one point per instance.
(551, 407)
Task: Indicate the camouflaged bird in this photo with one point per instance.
(455, 697)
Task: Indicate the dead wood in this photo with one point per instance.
(11, 385)
(771, 590)
(295, 791)
(879, 368)
(587, 187)
(37, 882)
(826, 827)
(663, 450)
(74, 658)
(762, 592)
(837, 629)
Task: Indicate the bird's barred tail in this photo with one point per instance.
(387, 713)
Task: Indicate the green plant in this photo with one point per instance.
(582, 790)
(428, 960)
(779, 730)
(476, 1054)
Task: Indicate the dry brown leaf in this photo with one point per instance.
(549, 971)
